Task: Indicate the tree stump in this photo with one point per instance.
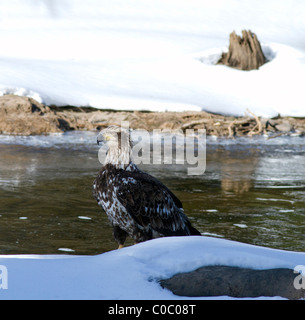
(245, 53)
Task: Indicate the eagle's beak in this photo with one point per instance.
(100, 139)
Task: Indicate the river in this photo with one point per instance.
(252, 191)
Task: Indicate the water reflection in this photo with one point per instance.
(237, 173)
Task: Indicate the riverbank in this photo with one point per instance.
(25, 116)
(133, 272)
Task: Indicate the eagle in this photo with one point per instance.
(136, 203)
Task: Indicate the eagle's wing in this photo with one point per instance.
(152, 204)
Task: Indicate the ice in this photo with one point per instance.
(66, 249)
(240, 225)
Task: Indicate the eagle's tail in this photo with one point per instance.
(194, 231)
(189, 229)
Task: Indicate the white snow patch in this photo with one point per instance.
(132, 272)
(155, 56)
(66, 249)
(84, 218)
(240, 225)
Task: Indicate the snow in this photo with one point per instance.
(152, 55)
(132, 272)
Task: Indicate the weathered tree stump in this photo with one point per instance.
(245, 53)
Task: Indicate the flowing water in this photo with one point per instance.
(253, 191)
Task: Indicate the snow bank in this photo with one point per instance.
(131, 273)
(148, 55)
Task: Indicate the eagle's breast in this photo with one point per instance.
(105, 191)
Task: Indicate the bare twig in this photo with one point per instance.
(192, 124)
(231, 134)
(258, 124)
(276, 135)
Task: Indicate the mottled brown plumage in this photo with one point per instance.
(136, 203)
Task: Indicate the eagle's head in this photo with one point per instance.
(119, 145)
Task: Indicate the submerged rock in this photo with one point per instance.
(235, 282)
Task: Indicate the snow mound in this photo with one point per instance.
(132, 272)
(20, 92)
(141, 56)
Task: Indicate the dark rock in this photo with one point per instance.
(235, 282)
(245, 53)
(279, 125)
(285, 126)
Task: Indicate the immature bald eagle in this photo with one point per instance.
(136, 203)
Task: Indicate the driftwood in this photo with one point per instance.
(245, 126)
(258, 125)
(245, 53)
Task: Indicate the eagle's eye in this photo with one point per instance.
(107, 138)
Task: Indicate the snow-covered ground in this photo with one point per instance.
(131, 272)
(153, 55)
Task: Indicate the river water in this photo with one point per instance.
(253, 191)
